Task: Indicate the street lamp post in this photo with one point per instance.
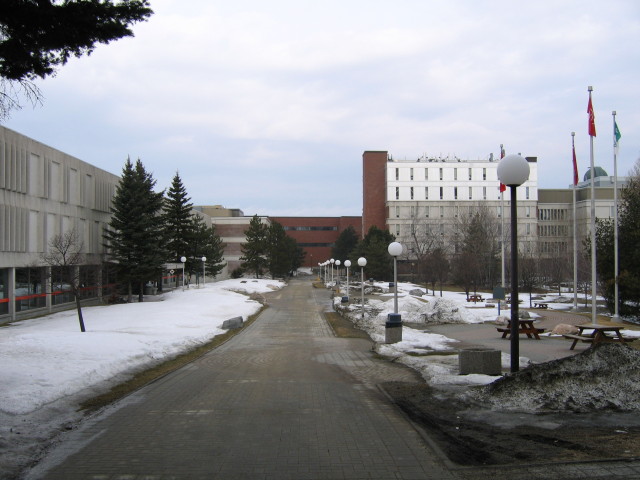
(347, 264)
(183, 260)
(393, 327)
(513, 171)
(363, 263)
(204, 271)
(332, 263)
(338, 262)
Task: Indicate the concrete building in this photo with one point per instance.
(45, 192)
(428, 198)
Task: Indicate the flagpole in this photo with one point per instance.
(593, 210)
(575, 228)
(502, 219)
(615, 217)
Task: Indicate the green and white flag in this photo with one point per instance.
(616, 137)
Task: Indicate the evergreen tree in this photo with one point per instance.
(36, 37)
(255, 249)
(374, 247)
(280, 250)
(134, 235)
(628, 251)
(206, 242)
(345, 244)
(178, 222)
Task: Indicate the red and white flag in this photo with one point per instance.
(575, 164)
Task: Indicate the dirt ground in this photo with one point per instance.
(468, 435)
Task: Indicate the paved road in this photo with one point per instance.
(284, 399)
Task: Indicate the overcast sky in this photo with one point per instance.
(268, 106)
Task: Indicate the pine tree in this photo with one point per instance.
(178, 222)
(134, 235)
(254, 250)
(280, 251)
(205, 242)
(345, 243)
(374, 247)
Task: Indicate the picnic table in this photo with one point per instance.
(542, 305)
(474, 298)
(525, 326)
(599, 333)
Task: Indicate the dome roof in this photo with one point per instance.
(600, 172)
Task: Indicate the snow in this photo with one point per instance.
(48, 358)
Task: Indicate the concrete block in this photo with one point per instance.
(484, 361)
(232, 323)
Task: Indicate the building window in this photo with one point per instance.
(455, 193)
(470, 170)
(397, 230)
(528, 211)
(411, 193)
(397, 212)
(426, 212)
(455, 174)
(426, 174)
(397, 193)
(484, 174)
(413, 211)
(441, 193)
(441, 212)
(426, 193)
(499, 212)
(484, 193)
(528, 229)
(527, 193)
(441, 174)
(470, 192)
(455, 211)
(397, 174)
(442, 229)
(411, 174)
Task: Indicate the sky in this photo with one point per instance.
(268, 107)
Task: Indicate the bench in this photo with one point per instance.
(541, 305)
(474, 298)
(526, 330)
(588, 339)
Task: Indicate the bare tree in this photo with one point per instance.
(64, 256)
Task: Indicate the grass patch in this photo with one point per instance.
(145, 377)
(343, 328)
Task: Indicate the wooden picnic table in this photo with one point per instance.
(599, 333)
(474, 298)
(542, 305)
(525, 326)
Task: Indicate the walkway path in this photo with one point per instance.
(284, 399)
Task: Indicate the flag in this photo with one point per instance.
(503, 187)
(575, 166)
(616, 136)
(592, 118)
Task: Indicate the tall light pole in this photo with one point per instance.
(338, 275)
(347, 264)
(183, 260)
(332, 262)
(513, 171)
(363, 263)
(393, 327)
(204, 271)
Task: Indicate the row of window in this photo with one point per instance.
(435, 211)
(431, 229)
(458, 193)
(459, 173)
(306, 229)
(553, 214)
(553, 230)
